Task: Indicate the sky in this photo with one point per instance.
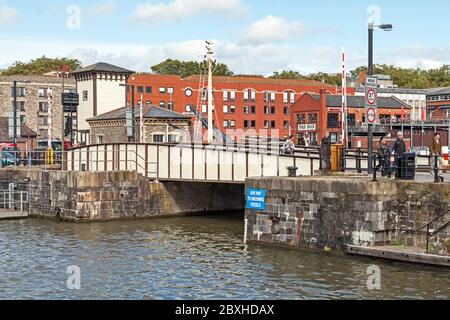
(251, 36)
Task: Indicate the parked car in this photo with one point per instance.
(8, 157)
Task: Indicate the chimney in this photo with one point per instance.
(323, 113)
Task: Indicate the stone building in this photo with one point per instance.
(99, 86)
(32, 102)
(26, 139)
(160, 126)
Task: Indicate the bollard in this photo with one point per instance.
(292, 171)
(375, 169)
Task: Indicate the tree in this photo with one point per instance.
(188, 68)
(41, 66)
(332, 79)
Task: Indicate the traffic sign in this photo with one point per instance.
(371, 115)
(371, 97)
(371, 100)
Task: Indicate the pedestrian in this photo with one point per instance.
(325, 150)
(384, 158)
(289, 146)
(398, 149)
(436, 152)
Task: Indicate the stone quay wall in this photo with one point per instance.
(335, 211)
(103, 196)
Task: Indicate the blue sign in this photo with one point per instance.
(256, 199)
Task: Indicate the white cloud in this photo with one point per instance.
(260, 59)
(416, 56)
(178, 10)
(271, 29)
(7, 14)
(106, 8)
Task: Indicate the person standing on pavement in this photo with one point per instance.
(398, 149)
(436, 152)
(383, 157)
(325, 150)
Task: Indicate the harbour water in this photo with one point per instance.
(188, 258)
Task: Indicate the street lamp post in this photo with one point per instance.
(384, 27)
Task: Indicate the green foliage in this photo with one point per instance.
(411, 78)
(403, 77)
(332, 79)
(188, 68)
(41, 66)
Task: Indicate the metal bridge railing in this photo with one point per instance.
(14, 200)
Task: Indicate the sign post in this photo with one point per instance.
(371, 105)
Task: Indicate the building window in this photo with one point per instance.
(42, 92)
(43, 106)
(22, 119)
(333, 121)
(225, 123)
(204, 109)
(162, 90)
(225, 109)
(19, 93)
(149, 103)
(170, 90)
(43, 133)
(162, 104)
(447, 113)
(170, 105)
(148, 89)
(269, 96)
(249, 95)
(289, 97)
(249, 123)
(100, 139)
(312, 118)
(158, 138)
(140, 89)
(266, 124)
(20, 105)
(286, 125)
(286, 110)
(232, 123)
(229, 95)
(188, 92)
(173, 138)
(232, 109)
(43, 120)
(85, 95)
(273, 124)
(301, 118)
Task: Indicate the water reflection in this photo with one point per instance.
(188, 258)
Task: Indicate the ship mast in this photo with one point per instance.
(209, 55)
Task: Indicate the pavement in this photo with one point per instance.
(405, 254)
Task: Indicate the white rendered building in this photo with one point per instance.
(100, 88)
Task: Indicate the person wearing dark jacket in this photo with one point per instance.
(398, 149)
(399, 145)
(384, 157)
(325, 150)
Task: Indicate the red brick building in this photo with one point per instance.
(314, 114)
(252, 105)
(438, 104)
